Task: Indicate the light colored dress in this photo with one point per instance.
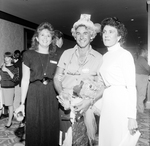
(119, 98)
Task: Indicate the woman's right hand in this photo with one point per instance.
(21, 108)
(132, 125)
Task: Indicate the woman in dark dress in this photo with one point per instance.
(42, 118)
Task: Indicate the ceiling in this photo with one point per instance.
(63, 13)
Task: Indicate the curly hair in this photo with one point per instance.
(114, 22)
(91, 30)
(44, 25)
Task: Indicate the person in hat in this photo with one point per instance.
(76, 64)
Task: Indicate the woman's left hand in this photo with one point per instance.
(132, 125)
(83, 106)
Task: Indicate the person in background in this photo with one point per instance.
(1, 99)
(58, 43)
(142, 75)
(9, 76)
(37, 90)
(75, 65)
(17, 61)
(118, 112)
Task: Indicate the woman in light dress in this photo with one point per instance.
(118, 112)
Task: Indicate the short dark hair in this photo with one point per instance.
(8, 54)
(17, 52)
(114, 22)
(58, 34)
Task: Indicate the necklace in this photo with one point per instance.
(46, 65)
(82, 58)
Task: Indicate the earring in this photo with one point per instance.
(37, 39)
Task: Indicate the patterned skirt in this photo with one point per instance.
(79, 134)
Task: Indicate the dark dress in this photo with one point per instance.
(42, 117)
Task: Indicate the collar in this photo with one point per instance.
(91, 51)
(114, 47)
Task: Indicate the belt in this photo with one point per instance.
(44, 81)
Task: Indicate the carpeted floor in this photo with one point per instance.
(7, 137)
(144, 127)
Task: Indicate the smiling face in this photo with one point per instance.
(110, 36)
(83, 37)
(44, 38)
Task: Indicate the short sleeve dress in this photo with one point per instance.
(42, 118)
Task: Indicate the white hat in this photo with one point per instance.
(85, 20)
